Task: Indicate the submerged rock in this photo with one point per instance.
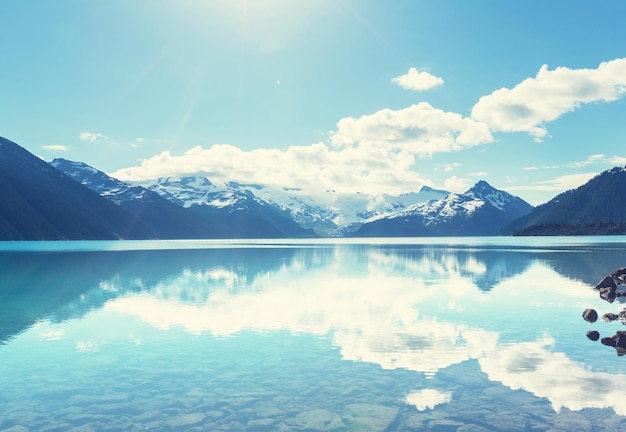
(318, 420)
(369, 417)
(590, 315)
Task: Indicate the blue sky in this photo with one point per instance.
(365, 96)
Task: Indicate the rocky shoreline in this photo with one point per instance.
(607, 289)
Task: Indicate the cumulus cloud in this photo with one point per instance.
(55, 148)
(456, 184)
(552, 93)
(418, 129)
(417, 80)
(90, 137)
(315, 167)
(372, 154)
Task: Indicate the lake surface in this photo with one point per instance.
(452, 334)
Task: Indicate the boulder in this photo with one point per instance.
(608, 294)
(619, 276)
(593, 335)
(617, 341)
(607, 282)
(608, 317)
(590, 315)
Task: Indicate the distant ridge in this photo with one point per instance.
(480, 211)
(38, 202)
(598, 204)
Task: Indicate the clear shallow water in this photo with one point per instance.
(456, 334)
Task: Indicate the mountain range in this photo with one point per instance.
(71, 200)
(482, 210)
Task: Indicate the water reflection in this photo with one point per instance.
(515, 313)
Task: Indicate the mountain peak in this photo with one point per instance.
(481, 186)
(497, 198)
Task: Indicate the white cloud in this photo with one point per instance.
(617, 160)
(371, 154)
(550, 94)
(455, 184)
(376, 153)
(90, 137)
(590, 160)
(418, 129)
(416, 80)
(315, 167)
(54, 148)
(451, 166)
(560, 184)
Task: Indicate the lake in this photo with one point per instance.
(445, 334)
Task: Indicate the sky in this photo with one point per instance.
(352, 96)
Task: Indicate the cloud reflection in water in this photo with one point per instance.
(420, 312)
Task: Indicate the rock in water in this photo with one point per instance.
(608, 294)
(617, 341)
(607, 282)
(590, 315)
(608, 317)
(619, 275)
(593, 335)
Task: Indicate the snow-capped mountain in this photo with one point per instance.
(230, 203)
(190, 206)
(108, 187)
(329, 213)
(482, 210)
(254, 210)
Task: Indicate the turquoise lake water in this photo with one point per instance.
(448, 334)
